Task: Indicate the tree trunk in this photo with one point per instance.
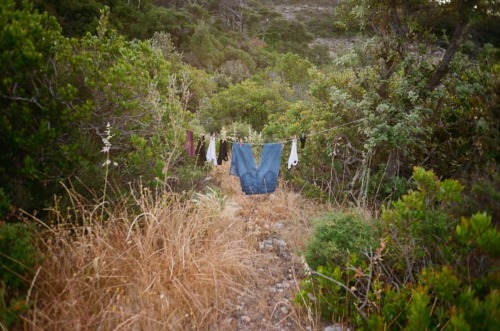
(444, 65)
(464, 7)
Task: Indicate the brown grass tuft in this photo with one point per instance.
(164, 261)
(172, 264)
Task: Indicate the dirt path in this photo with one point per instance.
(278, 225)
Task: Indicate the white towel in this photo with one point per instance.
(294, 158)
(211, 151)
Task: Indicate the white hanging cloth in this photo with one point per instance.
(211, 157)
(294, 157)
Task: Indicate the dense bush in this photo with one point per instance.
(427, 271)
(418, 225)
(37, 131)
(247, 102)
(59, 94)
(336, 237)
(18, 259)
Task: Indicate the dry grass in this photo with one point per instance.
(162, 261)
(171, 265)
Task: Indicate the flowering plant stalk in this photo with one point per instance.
(107, 147)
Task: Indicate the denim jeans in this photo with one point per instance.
(256, 179)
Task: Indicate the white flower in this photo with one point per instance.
(307, 268)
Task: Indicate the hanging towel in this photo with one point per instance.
(189, 145)
(294, 158)
(211, 156)
(222, 152)
(256, 179)
(200, 150)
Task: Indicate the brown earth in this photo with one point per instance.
(280, 223)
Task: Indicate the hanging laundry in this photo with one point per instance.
(189, 144)
(294, 158)
(222, 152)
(211, 156)
(200, 150)
(303, 138)
(256, 179)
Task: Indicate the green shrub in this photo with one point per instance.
(248, 102)
(18, 258)
(418, 225)
(440, 297)
(336, 237)
(477, 232)
(428, 273)
(281, 30)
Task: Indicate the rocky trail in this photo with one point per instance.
(279, 224)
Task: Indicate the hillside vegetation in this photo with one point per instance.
(389, 221)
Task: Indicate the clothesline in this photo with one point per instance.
(291, 140)
(254, 179)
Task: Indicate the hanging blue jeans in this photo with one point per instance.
(256, 179)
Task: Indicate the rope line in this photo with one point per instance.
(289, 140)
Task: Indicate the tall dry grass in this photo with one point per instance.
(162, 261)
(157, 260)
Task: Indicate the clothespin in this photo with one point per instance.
(294, 137)
(241, 142)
